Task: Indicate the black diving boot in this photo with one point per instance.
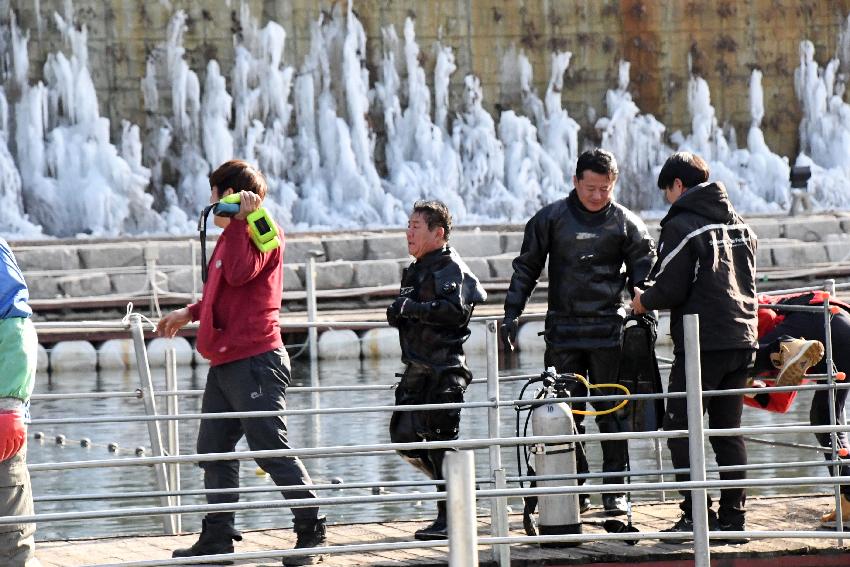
(310, 533)
(439, 528)
(215, 538)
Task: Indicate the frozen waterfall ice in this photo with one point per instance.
(346, 148)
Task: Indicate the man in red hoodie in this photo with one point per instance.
(239, 333)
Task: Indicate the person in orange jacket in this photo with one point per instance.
(790, 344)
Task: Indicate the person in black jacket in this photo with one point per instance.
(432, 312)
(588, 238)
(706, 266)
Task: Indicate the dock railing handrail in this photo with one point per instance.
(169, 488)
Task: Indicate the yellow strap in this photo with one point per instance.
(588, 385)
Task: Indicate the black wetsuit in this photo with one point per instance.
(438, 294)
(587, 252)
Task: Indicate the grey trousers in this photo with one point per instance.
(17, 544)
(257, 383)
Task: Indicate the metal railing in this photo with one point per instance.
(461, 481)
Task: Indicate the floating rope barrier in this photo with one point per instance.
(86, 443)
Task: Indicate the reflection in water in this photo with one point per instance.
(305, 431)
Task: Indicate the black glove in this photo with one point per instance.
(508, 332)
(394, 311)
(404, 308)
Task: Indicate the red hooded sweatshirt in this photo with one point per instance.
(239, 313)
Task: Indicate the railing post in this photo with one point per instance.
(499, 523)
(829, 286)
(493, 413)
(498, 509)
(150, 409)
(151, 255)
(659, 463)
(312, 312)
(696, 440)
(172, 407)
(460, 493)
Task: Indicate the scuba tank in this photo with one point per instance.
(559, 513)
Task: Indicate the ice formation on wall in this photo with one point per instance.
(75, 180)
(421, 161)
(637, 141)
(825, 127)
(727, 163)
(311, 133)
(531, 172)
(482, 160)
(14, 222)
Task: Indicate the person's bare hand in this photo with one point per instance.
(173, 322)
(248, 203)
(637, 306)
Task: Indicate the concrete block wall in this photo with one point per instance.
(366, 259)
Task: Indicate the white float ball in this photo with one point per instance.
(339, 344)
(158, 347)
(42, 360)
(116, 354)
(381, 342)
(73, 356)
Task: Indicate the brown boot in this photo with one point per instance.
(794, 358)
(845, 513)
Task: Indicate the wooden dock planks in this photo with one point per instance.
(787, 513)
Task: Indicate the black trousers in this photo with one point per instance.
(811, 326)
(599, 366)
(422, 384)
(721, 370)
(257, 383)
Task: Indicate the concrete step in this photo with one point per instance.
(100, 269)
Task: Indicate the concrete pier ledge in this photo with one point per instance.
(100, 268)
(356, 277)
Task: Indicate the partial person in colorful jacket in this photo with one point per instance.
(437, 295)
(790, 344)
(18, 357)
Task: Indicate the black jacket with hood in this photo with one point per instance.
(706, 265)
(587, 252)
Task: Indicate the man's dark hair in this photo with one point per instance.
(238, 175)
(436, 214)
(687, 167)
(598, 161)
